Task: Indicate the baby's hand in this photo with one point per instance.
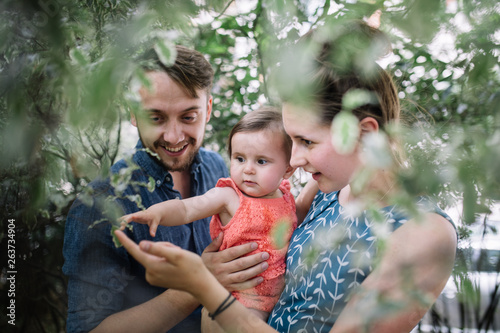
(143, 217)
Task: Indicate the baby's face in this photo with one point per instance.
(259, 163)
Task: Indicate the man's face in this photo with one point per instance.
(172, 123)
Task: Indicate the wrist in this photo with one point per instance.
(209, 292)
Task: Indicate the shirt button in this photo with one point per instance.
(167, 178)
(158, 182)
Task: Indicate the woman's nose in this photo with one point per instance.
(297, 159)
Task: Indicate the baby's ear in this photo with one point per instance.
(289, 172)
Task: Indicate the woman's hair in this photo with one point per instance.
(345, 62)
(264, 118)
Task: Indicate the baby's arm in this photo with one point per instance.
(179, 212)
(305, 199)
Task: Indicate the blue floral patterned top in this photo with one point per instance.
(330, 254)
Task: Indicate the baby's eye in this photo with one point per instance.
(261, 161)
(240, 159)
(306, 142)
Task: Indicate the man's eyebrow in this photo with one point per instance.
(189, 109)
(192, 108)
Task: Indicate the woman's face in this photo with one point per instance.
(313, 150)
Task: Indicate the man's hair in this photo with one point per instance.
(264, 118)
(190, 70)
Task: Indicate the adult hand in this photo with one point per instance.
(231, 269)
(167, 265)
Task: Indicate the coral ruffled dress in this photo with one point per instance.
(269, 223)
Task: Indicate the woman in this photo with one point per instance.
(337, 280)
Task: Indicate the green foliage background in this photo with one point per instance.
(64, 99)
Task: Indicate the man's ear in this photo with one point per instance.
(368, 124)
(289, 172)
(133, 120)
(209, 107)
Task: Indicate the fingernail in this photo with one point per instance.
(260, 279)
(265, 266)
(144, 245)
(254, 246)
(265, 255)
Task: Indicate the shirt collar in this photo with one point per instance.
(155, 168)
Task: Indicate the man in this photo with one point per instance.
(107, 290)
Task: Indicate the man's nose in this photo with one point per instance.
(173, 133)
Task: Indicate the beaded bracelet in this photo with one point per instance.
(224, 305)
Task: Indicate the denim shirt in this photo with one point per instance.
(104, 279)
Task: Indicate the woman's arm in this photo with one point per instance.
(305, 199)
(169, 266)
(178, 212)
(413, 271)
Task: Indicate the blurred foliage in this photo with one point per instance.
(65, 68)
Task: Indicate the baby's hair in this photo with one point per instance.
(264, 118)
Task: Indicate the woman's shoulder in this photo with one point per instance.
(431, 225)
(429, 206)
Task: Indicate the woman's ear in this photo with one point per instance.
(368, 124)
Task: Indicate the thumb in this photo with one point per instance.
(216, 243)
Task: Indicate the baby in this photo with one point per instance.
(254, 205)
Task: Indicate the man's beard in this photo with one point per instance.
(175, 164)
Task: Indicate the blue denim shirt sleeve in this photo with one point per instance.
(103, 279)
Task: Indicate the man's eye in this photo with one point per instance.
(189, 119)
(154, 119)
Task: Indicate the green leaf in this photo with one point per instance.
(115, 239)
(280, 233)
(151, 184)
(355, 98)
(345, 132)
(166, 52)
(376, 150)
(116, 242)
(78, 57)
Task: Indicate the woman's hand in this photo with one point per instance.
(231, 268)
(168, 265)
